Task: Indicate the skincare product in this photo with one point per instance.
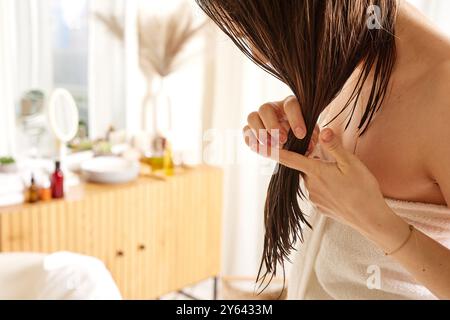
(57, 182)
(168, 159)
(45, 191)
(33, 191)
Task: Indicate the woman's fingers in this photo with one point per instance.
(294, 116)
(250, 139)
(272, 123)
(278, 106)
(254, 144)
(314, 140)
(268, 124)
(287, 158)
(334, 147)
(310, 167)
(257, 125)
(314, 167)
(298, 162)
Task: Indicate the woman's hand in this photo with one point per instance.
(272, 123)
(345, 190)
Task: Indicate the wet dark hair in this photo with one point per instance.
(313, 46)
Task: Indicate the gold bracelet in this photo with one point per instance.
(411, 229)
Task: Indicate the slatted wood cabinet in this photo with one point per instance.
(155, 236)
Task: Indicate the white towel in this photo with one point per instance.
(11, 199)
(335, 261)
(11, 183)
(304, 258)
(61, 276)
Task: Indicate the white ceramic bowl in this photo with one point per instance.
(110, 170)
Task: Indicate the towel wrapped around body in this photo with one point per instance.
(337, 262)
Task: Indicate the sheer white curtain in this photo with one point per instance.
(33, 37)
(234, 88)
(113, 69)
(7, 87)
(117, 86)
(26, 62)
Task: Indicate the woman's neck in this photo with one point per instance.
(419, 47)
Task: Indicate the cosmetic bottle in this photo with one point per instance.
(157, 159)
(45, 191)
(33, 191)
(168, 159)
(57, 182)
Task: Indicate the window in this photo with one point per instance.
(70, 42)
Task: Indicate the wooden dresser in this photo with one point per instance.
(155, 236)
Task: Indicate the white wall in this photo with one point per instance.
(437, 11)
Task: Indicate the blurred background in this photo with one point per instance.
(141, 72)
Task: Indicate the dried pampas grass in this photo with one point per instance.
(162, 40)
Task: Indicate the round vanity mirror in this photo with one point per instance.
(63, 115)
(63, 118)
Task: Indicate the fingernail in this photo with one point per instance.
(300, 132)
(283, 138)
(327, 135)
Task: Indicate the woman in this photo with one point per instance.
(376, 73)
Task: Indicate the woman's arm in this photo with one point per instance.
(427, 260)
(346, 190)
(424, 258)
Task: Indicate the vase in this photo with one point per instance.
(157, 115)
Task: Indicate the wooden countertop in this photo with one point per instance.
(87, 189)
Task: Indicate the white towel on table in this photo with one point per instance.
(11, 199)
(11, 184)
